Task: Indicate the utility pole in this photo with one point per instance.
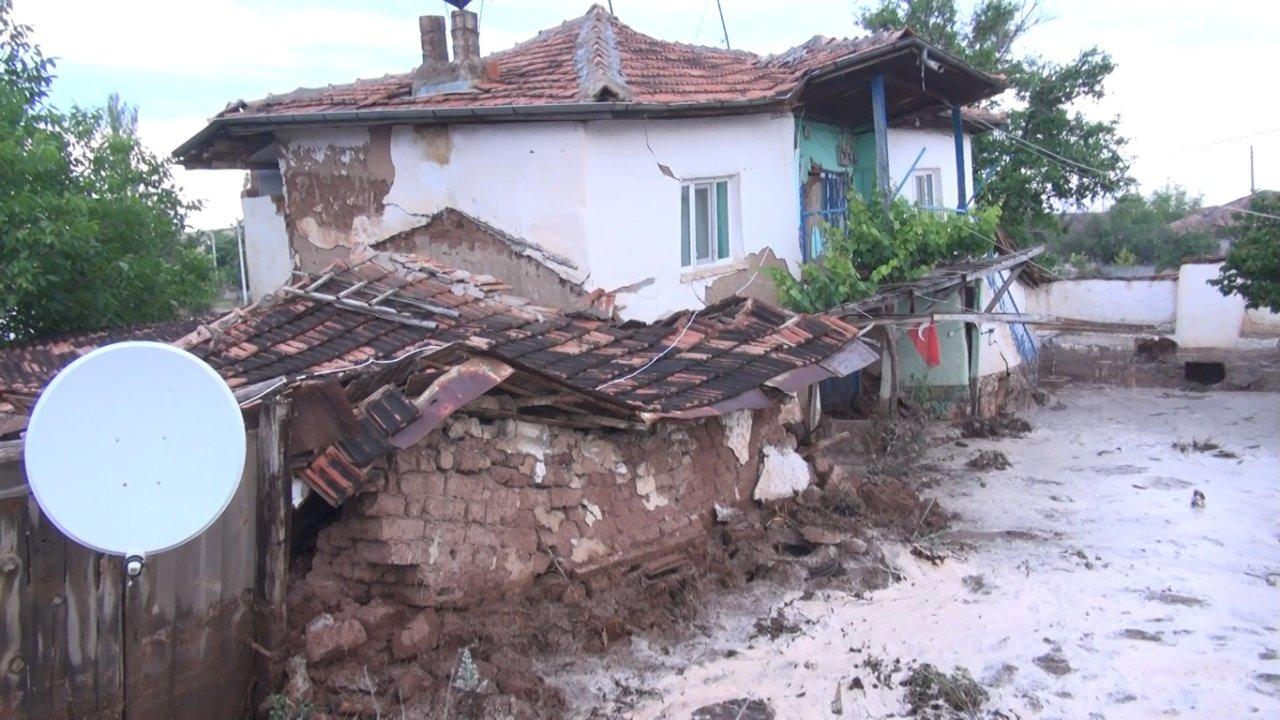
(723, 27)
(1253, 187)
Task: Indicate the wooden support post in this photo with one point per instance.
(880, 121)
(274, 491)
(973, 335)
(1004, 288)
(891, 347)
(957, 129)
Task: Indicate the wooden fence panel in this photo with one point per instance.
(13, 573)
(80, 640)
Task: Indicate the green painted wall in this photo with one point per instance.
(953, 371)
(819, 143)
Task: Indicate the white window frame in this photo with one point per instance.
(688, 188)
(934, 176)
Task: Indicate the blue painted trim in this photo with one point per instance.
(957, 129)
(880, 121)
(898, 190)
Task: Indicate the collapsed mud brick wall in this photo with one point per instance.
(479, 508)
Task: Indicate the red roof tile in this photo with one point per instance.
(591, 58)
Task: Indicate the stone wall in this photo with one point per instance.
(479, 508)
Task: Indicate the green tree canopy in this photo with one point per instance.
(1049, 154)
(1252, 268)
(92, 222)
(1138, 228)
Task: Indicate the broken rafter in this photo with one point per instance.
(381, 312)
(577, 422)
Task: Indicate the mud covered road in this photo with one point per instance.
(1079, 582)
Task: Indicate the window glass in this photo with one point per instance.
(684, 226)
(722, 219)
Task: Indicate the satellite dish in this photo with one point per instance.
(135, 448)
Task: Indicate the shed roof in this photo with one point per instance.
(379, 310)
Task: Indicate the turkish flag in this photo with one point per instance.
(925, 338)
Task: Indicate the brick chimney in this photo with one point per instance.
(466, 36)
(437, 74)
(434, 49)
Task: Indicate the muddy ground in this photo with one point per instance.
(1077, 582)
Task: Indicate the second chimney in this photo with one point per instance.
(466, 36)
(434, 47)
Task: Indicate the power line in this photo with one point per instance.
(1045, 152)
(1219, 142)
(698, 33)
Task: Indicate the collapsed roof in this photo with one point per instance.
(595, 66)
(381, 313)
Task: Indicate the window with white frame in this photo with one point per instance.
(928, 187)
(705, 221)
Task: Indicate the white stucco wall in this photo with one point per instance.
(268, 260)
(633, 207)
(1206, 318)
(939, 154)
(998, 352)
(1132, 302)
(1260, 322)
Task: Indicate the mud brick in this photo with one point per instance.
(565, 497)
(381, 504)
(395, 528)
(463, 488)
(476, 511)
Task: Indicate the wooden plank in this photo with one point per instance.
(880, 125)
(321, 416)
(1004, 288)
(109, 669)
(190, 633)
(46, 633)
(148, 639)
(13, 574)
(274, 511)
(82, 630)
(238, 530)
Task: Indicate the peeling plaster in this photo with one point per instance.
(737, 430)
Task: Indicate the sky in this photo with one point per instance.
(1194, 86)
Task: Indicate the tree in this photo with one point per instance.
(1139, 229)
(92, 222)
(1049, 154)
(1252, 267)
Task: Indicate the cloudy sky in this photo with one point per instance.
(1195, 86)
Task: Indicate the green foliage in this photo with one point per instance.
(224, 243)
(1135, 231)
(92, 221)
(1252, 268)
(1027, 185)
(871, 249)
(280, 707)
(1126, 258)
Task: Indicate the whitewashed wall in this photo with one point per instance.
(1206, 318)
(1131, 302)
(268, 260)
(939, 154)
(998, 352)
(633, 206)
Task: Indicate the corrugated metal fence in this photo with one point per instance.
(79, 640)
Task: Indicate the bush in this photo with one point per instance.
(871, 248)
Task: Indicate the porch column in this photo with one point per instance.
(957, 129)
(880, 120)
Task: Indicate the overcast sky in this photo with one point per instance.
(1196, 82)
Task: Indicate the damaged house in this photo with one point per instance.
(447, 443)
(594, 156)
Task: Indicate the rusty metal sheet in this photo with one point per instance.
(451, 391)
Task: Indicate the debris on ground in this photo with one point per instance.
(1197, 499)
(1200, 446)
(1001, 425)
(989, 460)
(740, 709)
(934, 694)
(1054, 663)
(775, 626)
(929, 556)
